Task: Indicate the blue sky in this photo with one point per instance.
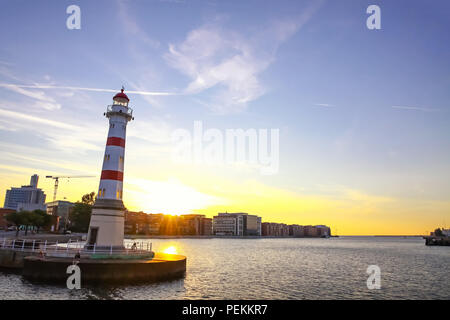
(359, 110)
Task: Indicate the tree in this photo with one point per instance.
(27, 219)
(80, 216)
(41, 219)
(88, 198)
(16, 218)
(438, 233)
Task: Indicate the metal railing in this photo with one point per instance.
(71, 248)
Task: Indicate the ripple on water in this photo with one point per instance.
(277, 269)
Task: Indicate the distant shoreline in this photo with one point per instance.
(133, 236)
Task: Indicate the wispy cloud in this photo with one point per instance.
(324, 105)
(26, 117)
(60, 134)
(415, 108)
(16, 87)
(227, 63)
(43, 100)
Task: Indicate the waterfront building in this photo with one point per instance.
(275, 229)
(323, 231)
(28, 197)
(106, 227)
(237, 224)
(296, 230)
(143, 223)
(62, 210)
(190, 224)
(311, 231)
(226, 224)
(206, 227)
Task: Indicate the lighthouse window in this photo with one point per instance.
(120, 159)
(119, 194)
(106, 157)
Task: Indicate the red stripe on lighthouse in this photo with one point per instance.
(112, 175)
(115, 141)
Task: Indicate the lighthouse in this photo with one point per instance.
(106, 227)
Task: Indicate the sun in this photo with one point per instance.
(170, 250)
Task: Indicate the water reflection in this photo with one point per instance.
(277, 269)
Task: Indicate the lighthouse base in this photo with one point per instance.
(107, 225)
(159, 267)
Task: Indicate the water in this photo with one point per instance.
(278, 269)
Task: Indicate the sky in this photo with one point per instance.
(363, 116)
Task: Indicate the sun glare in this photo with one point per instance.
(170, 250)
(169, 197)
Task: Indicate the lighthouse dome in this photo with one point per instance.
(121, 98)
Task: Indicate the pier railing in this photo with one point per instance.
(71, 248)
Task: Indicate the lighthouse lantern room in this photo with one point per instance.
(106, 227)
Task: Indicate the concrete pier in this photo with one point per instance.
(53, 269)
(13, 259)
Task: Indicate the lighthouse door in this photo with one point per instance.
(93, 237)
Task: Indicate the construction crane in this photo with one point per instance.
(63, 177)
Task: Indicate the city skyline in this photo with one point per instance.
(363, 115)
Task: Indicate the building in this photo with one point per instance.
(194, 224)
(252, 225)
(296, 231)
(62, 210)
(206, 227)
(228, 224)
(143, 223)
(107, 224)
(28, 197)
(275, 229)
(236, 224)
(190, 224)
(323, 231)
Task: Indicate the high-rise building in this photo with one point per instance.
(28, 197)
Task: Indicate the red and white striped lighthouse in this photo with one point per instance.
(107, 221)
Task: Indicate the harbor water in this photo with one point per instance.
(334, 268)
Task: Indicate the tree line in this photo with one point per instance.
(78, 220)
